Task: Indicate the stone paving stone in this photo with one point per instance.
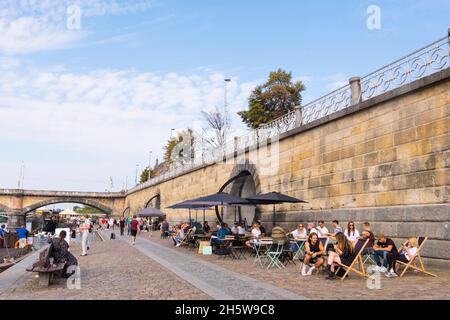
(112, 270)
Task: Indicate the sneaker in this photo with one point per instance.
(310, 271)
(179, 244)
(133, 243)
(304, 271)
(383, 269)
(391, 275)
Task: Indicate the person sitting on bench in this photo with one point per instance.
(59, 250)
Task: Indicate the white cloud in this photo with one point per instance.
(120, 113)
(37, 25)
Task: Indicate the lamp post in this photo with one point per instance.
(136, 179)
(225, 111)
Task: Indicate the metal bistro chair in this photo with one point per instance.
(274, 256)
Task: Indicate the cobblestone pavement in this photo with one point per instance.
(218, 282)
(112, 270)
(411, 286)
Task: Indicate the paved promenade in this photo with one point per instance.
(154, 269)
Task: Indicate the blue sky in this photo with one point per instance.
(79, 106)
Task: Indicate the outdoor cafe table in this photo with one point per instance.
(261, 246)
(300, 243)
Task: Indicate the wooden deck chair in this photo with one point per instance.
(412, 263)
(186, 238)
(359, 248)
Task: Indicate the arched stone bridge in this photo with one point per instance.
(19, 203)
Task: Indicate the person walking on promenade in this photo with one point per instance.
(84, 229)
(128, 225)
(111, 223)
(134, 228)
(122, 225)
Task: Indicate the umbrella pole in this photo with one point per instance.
(196, 211)
(190, 224)
(273, 217)
(204, 215)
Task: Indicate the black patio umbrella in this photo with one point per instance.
(150, 212)
(220, 199)
(273, 198)
(188, 205)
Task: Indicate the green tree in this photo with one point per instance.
(85, 209)
(146, 174)
(271, 100)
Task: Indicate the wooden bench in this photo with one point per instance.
(44, 268)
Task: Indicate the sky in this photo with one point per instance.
(81, 103)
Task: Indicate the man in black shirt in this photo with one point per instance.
(383, 247)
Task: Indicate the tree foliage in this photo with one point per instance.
(214, 134)
(271, 100)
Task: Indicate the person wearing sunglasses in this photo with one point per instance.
(351, 232)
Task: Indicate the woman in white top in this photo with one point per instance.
(404, 254)
(256, 233)
(351, 233)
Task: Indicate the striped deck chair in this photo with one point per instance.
(412, 263)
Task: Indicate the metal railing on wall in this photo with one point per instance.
(421, 63)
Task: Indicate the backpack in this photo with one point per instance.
(113, 236)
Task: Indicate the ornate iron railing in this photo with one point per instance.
(421, 63)
(418, 64)
(331, 103)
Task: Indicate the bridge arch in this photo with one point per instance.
(4, 208)
(244, 182)
(88, 202)
(156, 199)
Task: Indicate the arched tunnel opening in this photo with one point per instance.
(241, 185)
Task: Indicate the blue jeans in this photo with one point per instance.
(381, 254)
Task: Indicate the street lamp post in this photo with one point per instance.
(225, 114)
(136, 179)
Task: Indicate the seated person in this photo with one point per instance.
(404, 254)
(367, 234)
(322, 231)
(164, 227)
(178, 236)
(312, 228)
(351, 233)
(337, 228)
(344, 254)
(381, 249)
(262, 229)
(206, 227)
(59, 250)
(256, 234)
(298, 234)
(234, 228)
(221, 233)
(366, 226)
(314, 251)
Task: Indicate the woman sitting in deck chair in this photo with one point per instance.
(404, 254)
(344, 253)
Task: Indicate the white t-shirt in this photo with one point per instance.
(299, 234)
(353, 236)
(323, 232)
(256, 232)
(412, 250)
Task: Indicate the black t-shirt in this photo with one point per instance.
(388, 242)
(263, 230)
